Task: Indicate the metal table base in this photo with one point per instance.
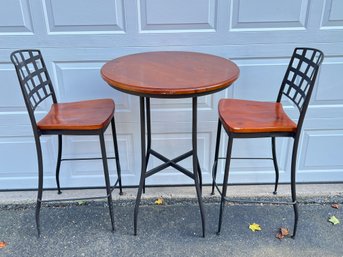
(146, 151)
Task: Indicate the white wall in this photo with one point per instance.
(77, 37)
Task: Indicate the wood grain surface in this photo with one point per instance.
(170, 73)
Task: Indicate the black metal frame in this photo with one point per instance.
(36, 86)
(146, 151)
(297, 85)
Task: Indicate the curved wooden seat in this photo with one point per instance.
(83, 115)
(245, 116)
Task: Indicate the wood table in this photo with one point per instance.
(169, 74)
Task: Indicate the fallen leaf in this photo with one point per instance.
(334, 220)
(282, 233)
(81, 202)
(159, 201)
(255, 227)
(335, 205)
(2, 244)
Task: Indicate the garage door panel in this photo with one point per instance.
(15, 17)
(269, 14)
(78, 37)
(84, 16)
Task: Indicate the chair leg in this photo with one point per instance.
(40, 182)
(58, 163)
(116, 153)
(276, 167)
(107, 178)
(215, 163)
(225, 181)
(293, 186)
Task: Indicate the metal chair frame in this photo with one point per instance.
(36, 86)
(297, 85)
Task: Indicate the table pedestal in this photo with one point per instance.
(146, 151)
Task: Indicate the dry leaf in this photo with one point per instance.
(334, 220)
(82, 202)
(2, 244)
(282, 233)
(255, 227)
(335, 205)
(159, 201)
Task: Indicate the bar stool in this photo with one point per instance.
(90, 117)
(254, 119)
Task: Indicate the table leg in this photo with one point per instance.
(196, 168)
(143, 167)
(148, 127)
(200, 175)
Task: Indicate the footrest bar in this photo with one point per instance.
(250, 201)
(248, 158)
(86, 159)
(82, 198)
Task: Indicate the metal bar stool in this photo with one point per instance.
(253, 119)
(90, 117)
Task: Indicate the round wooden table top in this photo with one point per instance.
(170, 74)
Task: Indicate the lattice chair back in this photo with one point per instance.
(34, 79)
(300, 77)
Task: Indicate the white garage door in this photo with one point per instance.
(78, 36)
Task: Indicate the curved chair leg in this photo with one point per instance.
(40, 182)
(107, 178)
(225, 181)
(116, 153)
(293, 185)
(58, 163)
(215, 163)
(276, 167)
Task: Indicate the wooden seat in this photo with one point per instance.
(90, 117)
(84, 115)
(253, 119)
(244, 116)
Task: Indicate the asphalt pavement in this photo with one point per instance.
(172, 229)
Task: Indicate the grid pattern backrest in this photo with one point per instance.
(300, 76)
(33, 77)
